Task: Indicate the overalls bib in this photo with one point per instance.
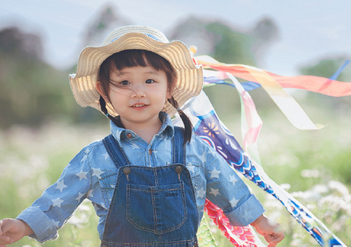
(151, 206)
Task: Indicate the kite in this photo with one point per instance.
(246, 160)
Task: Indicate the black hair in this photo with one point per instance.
(132, 58)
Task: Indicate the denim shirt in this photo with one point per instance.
(92, 175)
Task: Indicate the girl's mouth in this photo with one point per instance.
(139, 105)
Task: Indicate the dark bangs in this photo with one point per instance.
(133, 58)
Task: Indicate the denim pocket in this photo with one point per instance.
(107, 183)
(156, 209)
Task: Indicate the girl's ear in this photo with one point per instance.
(169, 92)
(101, 91)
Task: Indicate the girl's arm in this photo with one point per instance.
(50, 211)
(12, 230)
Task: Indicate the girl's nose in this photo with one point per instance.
(138, 91)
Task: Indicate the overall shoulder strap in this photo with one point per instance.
(115, 151)
(178, 147)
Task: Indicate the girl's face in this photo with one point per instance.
(137, 94)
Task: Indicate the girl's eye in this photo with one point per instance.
(149, 81)
(124, 83)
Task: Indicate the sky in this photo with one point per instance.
(308, 30)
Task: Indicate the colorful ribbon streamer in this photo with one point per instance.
(203, 117)
(274, 84)
(208, 126)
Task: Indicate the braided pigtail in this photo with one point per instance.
(186, 121)
(104, 110)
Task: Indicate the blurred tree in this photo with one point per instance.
(192, 32)
(262, 36)
(31, 90)
(15, 44)
(327, 67)
(230, 46)
(107, 20)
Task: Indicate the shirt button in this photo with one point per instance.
(150, 151)
(129, 135)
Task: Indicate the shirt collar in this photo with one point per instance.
(167, 128)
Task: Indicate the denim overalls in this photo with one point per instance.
(151, 206)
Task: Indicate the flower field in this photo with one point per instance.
(311, 165)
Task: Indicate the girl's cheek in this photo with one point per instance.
(121, 92)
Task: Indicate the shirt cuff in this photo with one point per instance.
(246, 213)
(43, 227)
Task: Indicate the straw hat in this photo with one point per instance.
(189, 76)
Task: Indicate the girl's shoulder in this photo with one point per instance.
(93, 149)
(92, 155)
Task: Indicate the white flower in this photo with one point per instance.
(339, 187)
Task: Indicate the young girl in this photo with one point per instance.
(148, 180)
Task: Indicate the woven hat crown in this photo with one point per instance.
(148, 31)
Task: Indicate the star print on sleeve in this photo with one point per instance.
(60, 185)
(97, 172)
(57, 202)
(201, 193)
(56, 223)
(82, 175)
(215, 173)
(79, 197)
(86, 151)
(190, 167)
(106, 156)
(215, 192)
(233, 179)
(84, 158)
(90, 193)
(234, 202)
(246, 215)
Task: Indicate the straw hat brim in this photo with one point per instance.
(189, 76)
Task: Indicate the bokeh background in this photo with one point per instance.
(42, 127)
